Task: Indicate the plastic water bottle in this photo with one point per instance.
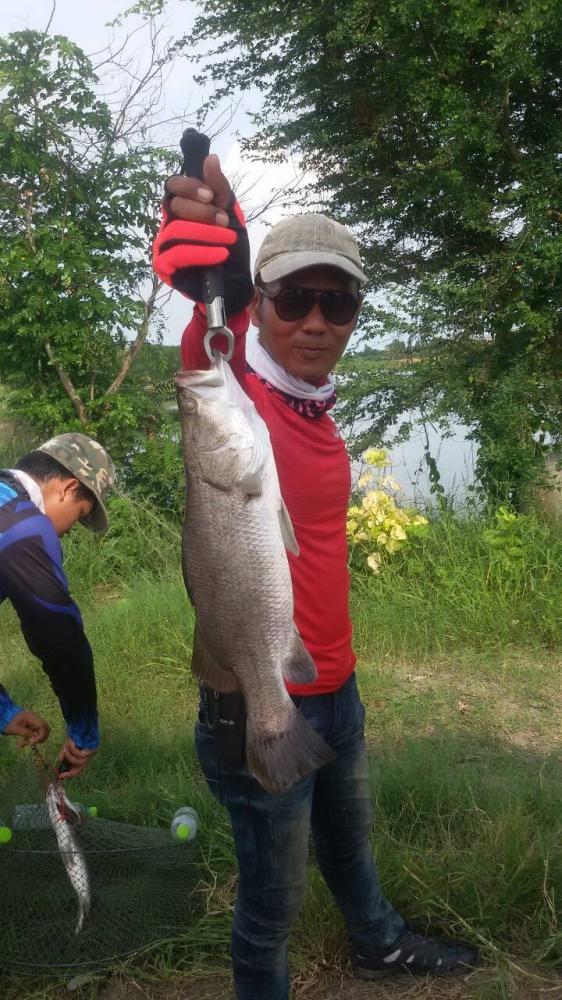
(36, 817)
(184, 824)
(5, 833)
(85, 810)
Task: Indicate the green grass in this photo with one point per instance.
(453, 589)
(464, 714)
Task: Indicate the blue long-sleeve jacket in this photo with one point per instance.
(33, 579)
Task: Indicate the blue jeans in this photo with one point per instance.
(271, 835)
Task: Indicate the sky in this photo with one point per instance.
(86, 24)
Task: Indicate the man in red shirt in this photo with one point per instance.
(305, 304)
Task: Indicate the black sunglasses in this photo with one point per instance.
(294, 303)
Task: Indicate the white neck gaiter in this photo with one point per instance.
(266, 367)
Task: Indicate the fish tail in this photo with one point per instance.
(83, 908)
(278, 760)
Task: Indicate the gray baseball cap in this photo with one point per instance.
(88, 462)
(306, 241)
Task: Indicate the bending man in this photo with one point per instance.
(51, 489)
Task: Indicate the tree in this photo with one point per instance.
(434, 129)
(80, 183)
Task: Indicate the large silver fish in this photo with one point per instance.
(64, 818)
(236, 530)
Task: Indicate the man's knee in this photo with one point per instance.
(263, 922)
(339, 842)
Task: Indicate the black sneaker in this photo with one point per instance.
(418, 955)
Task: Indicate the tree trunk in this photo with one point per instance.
(135, 347)
(67, 384)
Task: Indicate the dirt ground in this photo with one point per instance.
(345, 987)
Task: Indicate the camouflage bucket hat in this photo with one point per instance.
(91, 465)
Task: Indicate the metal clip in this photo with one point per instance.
(221, 331)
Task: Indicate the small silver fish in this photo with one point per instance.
(236, 532)
(64, 819)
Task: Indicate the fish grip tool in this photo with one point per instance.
(195, 148)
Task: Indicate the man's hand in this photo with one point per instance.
(203, 226)
(31, 727)
(205, 201)
(77, 758)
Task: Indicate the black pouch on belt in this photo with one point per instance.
(226, 716)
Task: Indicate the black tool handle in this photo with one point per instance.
(195, 148)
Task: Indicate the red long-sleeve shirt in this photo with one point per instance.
(315, 480)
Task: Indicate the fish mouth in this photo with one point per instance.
(191, 381)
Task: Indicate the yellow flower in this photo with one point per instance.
(376, 456)
(390, 483)
(374, 562)
(365, 479)
(370, 501)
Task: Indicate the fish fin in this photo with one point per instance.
(257, 456)
(299, 667)
(207, 670)
(83, 910)
(277, 760)
(287, 530)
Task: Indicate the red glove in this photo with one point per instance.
(182, 248)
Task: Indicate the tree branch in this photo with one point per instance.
(149, 307)
(514, 151)
(49, 22)
(66, 383)
(28, 195)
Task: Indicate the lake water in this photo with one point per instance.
(455, 458)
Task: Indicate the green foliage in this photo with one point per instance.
(457, 810)
(155, 471)
(485, 583)
(467, 832)
(141, 543)
(78, 199)
(377, 528)
(434, 129)
(507, 540)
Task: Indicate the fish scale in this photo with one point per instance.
(236, 530)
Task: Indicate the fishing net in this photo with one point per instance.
(140, 884)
